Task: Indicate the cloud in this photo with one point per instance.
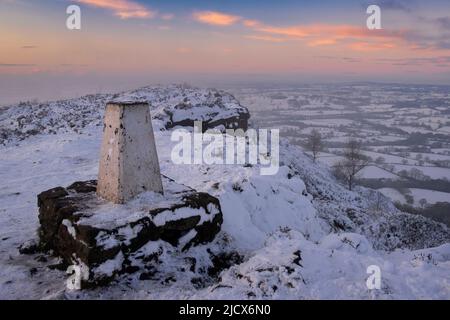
(351, 37)
(371, 46)
(216, 18)
(251, 23)
(355, 37)
(184, 50)
(322, 42)
(328, 31)
(440, 61)
(12, 65)
(124, 9)
(265, 38)
(394, 5)
(435, 40)
(167, 16)
(29, 47)
(443, 22)
(73, 65)
(344, 59)
(297, 32)
(163, 27)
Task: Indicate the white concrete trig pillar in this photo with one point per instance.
(128, 161)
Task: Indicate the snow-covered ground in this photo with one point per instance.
(431, 196)
(393, 194)
(432, 172)
(373, 172)
(301, 234)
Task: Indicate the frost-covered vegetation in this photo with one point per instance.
(298, 234)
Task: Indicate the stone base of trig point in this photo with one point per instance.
(108, 239)
(128, 159)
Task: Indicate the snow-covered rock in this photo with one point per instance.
(170, 106)
(290, 267)
(85, 229)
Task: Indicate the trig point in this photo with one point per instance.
(128, 160)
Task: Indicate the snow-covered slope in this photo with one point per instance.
(298, 234)
(170, 106)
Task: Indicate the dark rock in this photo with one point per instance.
(41, 259)
(147, 275)
(84, 187)
(223, 261)
(61, 266)
(131, 269)
(198, 283)
(298, 258)
(169, 280)
(67, 229)
(29, 247)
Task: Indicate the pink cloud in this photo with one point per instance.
(251, 23)
(184, 50)
(265, 38)
(216, 18)
(354, 37)
(124, 9)
(322, 42)
(167, 16)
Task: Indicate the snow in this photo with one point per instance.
(108, 215)
(393, 194)
(444, 130)
(266, 204)
(70, 228)
(432, 172)
(302, 235)
(431, 156)
(431, 196)
(180, 213)
(272, 273)
(109, 267)
(373, 172)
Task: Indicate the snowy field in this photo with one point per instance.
(431, 197)
(300, 233)
(330, 268)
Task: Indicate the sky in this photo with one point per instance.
(125, 44)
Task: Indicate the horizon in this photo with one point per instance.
(219, 86)
(125, 44)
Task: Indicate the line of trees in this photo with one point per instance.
(354, 161)
(348, 168)
(315, 143)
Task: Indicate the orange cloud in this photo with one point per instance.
(320, 30)
(297, 32)
(184, 50)
(327, 34)
(322, 42)
(368, 46)
(124, 9)
(216, 18)
(265, 38)
(251, 23)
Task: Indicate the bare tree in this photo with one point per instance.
(380, 160)
(423, 203)
(354, 161)
(315, 143)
